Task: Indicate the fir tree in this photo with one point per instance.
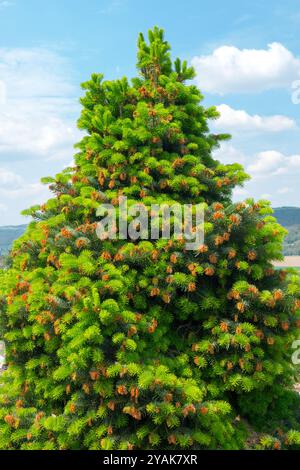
(118, 344)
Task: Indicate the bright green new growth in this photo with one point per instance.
(118, 344)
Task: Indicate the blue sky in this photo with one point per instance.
(247, 58)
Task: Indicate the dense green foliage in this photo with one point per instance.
(119, 345)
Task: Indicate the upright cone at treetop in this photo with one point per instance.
(122, 344)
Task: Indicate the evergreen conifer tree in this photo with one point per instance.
(121, 344)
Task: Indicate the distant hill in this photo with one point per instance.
(8, 234)
(288, 216)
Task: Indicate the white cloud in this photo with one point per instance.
(37, 104)
(274, 175)
(234, 120)
(35, 72)
(37, 123)
(263, 164)
(273, 163)
(266, 163)
(290, 166)
(37, 134)
(232, 70)
(285, 190)
(16, 194)
(35, 192)
(5, 4)
(16, 198)
(9, 178)
(14, 187)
